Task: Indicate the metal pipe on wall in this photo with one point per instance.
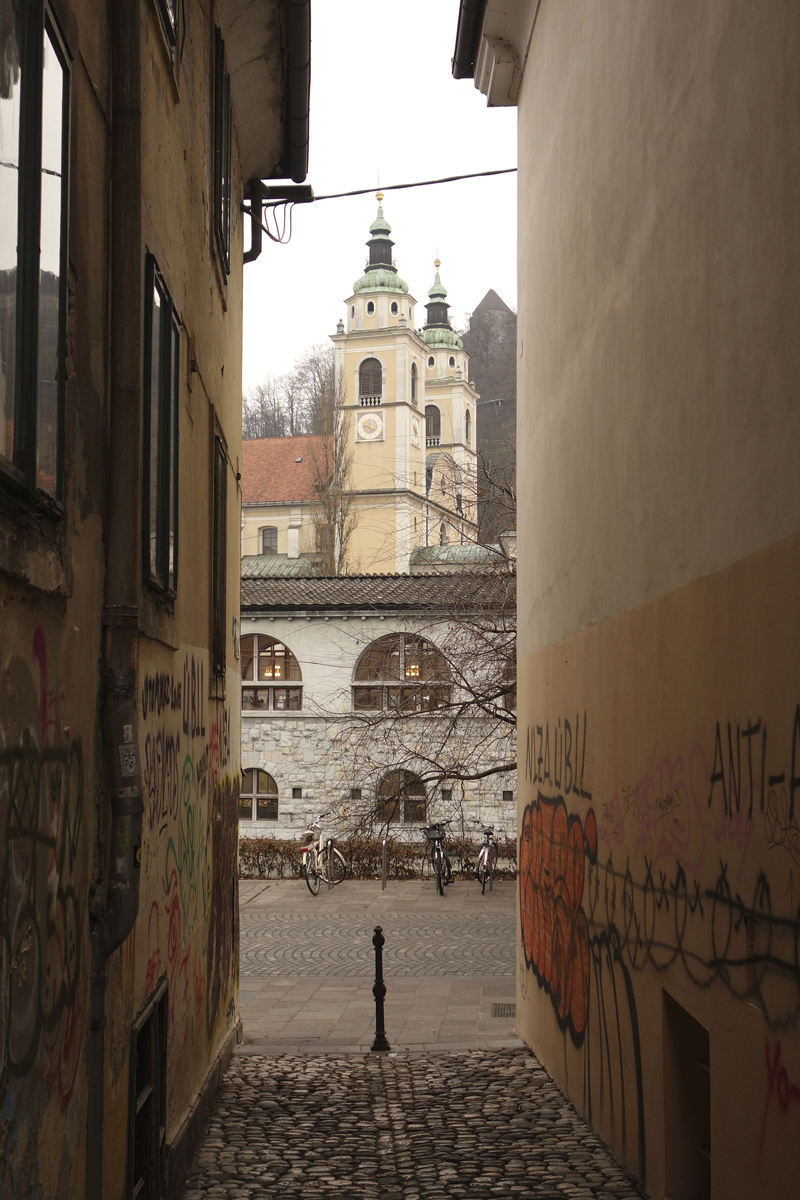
(123, 783)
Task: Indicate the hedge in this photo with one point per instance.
(274, 858)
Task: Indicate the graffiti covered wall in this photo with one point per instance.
(188, 923)
(660, 855)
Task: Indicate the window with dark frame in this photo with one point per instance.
(370, 378)
(34, 160)
(219, 558)
(414, 385)
(401, 673)
(271, 676)
(222, 155)
(508, 797)
(147, 1105)
(433, 421)
(160, 459)
(258, 796)
(269, 540)
(401, 794)
(168, 11)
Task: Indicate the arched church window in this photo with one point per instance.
(401, 673)
(394, 308)
(468, 427)
(452, 361)
(443, 534)
(433, 424)
(401, 794)
(370, 308)
(414, 384)
(271, 676)
(370, 378)
(431, 360)
(352, 310)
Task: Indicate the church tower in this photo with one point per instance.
(409, 487)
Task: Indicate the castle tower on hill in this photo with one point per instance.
(410, 415)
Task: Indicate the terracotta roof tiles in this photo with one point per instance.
(271, 472)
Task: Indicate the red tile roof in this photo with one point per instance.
(270, 471)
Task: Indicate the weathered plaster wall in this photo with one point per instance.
(659, 435)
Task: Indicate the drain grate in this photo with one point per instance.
(504, 1010)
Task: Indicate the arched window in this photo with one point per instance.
(433, 425)
(468, 427)
(271, 676)
(370, 308)
(394, 308)
(431, 360)
(443, 534)
(414, 398)
(401, 673)
(258, 796)
(370, 379)
(401, 794)
(452, 361)
(269, 540)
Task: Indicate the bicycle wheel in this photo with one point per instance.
(312, 872)
(482, 869)
(439, 872)
(339, 866)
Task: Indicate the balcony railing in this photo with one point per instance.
(370, 401)
(432, 441)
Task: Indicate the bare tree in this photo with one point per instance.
(448, 719)
(263, 414)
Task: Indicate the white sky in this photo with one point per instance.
(384, 102)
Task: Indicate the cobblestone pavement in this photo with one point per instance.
(319, 942)
(474, 1123)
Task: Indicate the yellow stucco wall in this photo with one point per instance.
(659, 510)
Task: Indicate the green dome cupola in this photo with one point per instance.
(381, 273)
(437, 330)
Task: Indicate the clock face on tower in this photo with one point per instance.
(369, 427)
(415, 431)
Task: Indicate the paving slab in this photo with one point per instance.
(307, 964)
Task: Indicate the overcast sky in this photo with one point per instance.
(384, 104)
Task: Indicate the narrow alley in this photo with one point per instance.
(457, 1107)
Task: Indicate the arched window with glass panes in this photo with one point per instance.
(401, 796)
(271, 676)
(401, 673)
(370, 379)
(269, 539)
(433, 425)
(414, 384)
(258, 796)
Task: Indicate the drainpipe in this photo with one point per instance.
(123, 782)
(255, 191)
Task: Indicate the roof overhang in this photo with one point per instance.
(268, 56)
(492, 42)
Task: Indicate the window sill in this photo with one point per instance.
(31, 547)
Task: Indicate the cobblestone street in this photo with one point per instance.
(459, 1107)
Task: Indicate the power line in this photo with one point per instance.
(398, 187)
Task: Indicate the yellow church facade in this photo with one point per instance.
(406, 417)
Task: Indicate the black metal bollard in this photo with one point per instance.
(379, 991)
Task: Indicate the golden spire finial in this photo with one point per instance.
(380, 197)
(437, 262)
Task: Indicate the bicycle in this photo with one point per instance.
(437, 855)
(316, 858)
(487, 859)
